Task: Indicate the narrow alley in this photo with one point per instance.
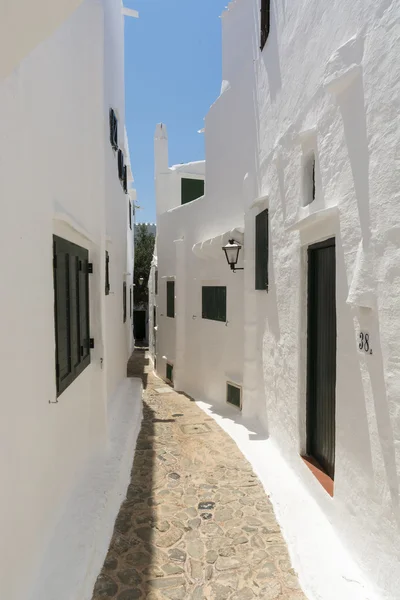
(196, 522)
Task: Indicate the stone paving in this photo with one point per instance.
(196, 523)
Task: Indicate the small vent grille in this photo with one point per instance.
(234, 395)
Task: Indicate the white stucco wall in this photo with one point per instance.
(58, 175)
(327, 81)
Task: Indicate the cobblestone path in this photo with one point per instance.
(196, 523)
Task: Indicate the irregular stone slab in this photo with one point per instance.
(177, 555)
(130, 595)
(195, 549)
(105, 587)
(206, 505)
(169, 538)
(166, 582)
(129, 577)
(164, 390)
(171, 569)
(224, 563)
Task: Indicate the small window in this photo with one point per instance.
(309, 179)
(261, 250)
(130, 302)
(156, 282)
(71, 309)
(121, 165)
(125, 180)
(214, 303)
(124, 300)
(265, 21)
(154, 316)
(234, 395)
(171, 299)
(191, 189)
(113, 130)
(130, 214)
(169, 373)
(108, 287)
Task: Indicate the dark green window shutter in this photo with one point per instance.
(71, 288)
(113, 130)
(171, 299)
(125, 182)
(121, 165)
(191, 189)
(130, 302)
(130, 214)
(108, 287)
(214, 303)
(156, 282)
(265, 21)
(261, 250)
(169, 372)
(124, 300)
(234, 395)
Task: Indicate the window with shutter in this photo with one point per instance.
(191, 189)
(130, 302)
(71, 311)
(265, 21)
(214, 303)
(125, 181)
(113, 130)
(156, 282)
(171, 299)
(169, 372)
(121, 165)
(108, 287)
(261, 251)
(130, 214)
(234, 395)
(124, 300)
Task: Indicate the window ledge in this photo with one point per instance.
(309, 215)
(324, 479)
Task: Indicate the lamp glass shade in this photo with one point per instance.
(232, 250)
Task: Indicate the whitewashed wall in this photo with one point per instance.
(327, 80)
(58, 176)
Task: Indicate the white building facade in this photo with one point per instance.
(69, 414)
(302, 171)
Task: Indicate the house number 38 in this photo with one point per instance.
(365, 343)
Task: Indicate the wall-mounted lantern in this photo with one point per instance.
(232, 250)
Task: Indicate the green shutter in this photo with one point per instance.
(108, 287)
(191, 189)
(156, 282)
(169, 373)
(171, 299)
(71, 287)
(234, 395)
(124, 300)
(214, 303)
(261, 251)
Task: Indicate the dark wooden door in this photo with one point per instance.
(139, 324)
(321, 376)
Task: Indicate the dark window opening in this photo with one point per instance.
(108, 287)
(154, 316)
(309, 179)
(124, 300)
(265, 21)
(234, 395)
(169, 372)
(191, 189)
(113, 130)
(125, 180)
(261, 250)
(121, 165)
(156, 282)
(214, 303)
(130, 302)
(71, 310)
(171, 299)
(130, 214)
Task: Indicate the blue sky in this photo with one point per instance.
(172, 75)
